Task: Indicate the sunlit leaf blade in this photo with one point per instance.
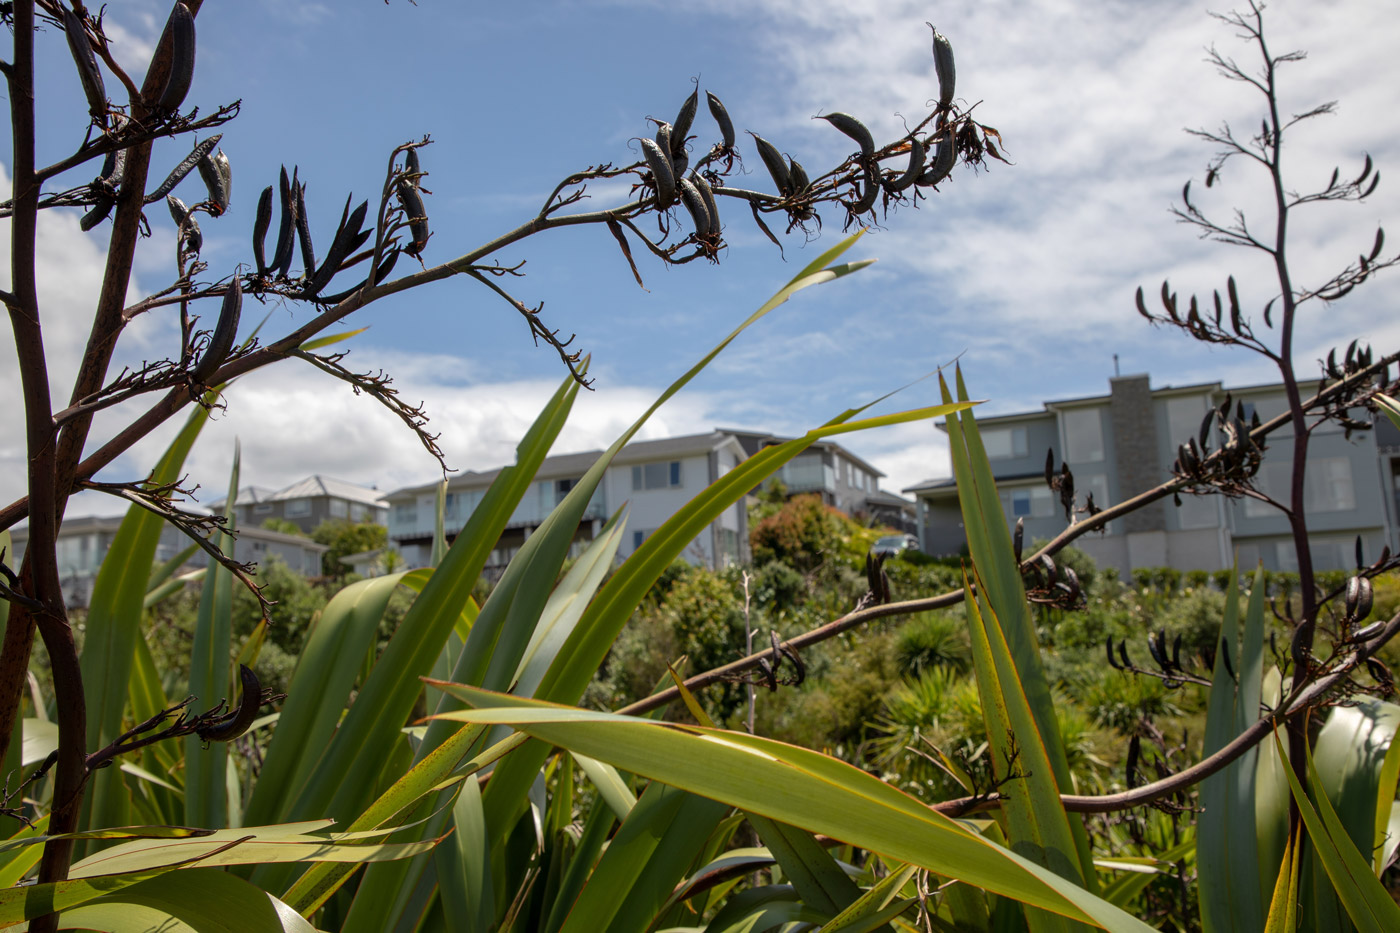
(113, 625)
(206, 798)
(876, 906)
(329, 339)
(1283, 908)
(808, 867)
(1036, 824)
(195, 900)
(1232, 892)
(992, 552)
(1367, 903)
(797, 786)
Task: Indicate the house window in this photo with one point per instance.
(1083, 435)
(562, 487)
(358, 512)
(1329, 487)
(656, 476)
(1005, 443)
(262, 508)
(297, 508)
(406, 514)
(1033, 502)
(339, 508)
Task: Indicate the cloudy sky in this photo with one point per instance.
(1025, 272)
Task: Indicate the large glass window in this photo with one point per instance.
(296, 508)
(1031, 502)
(1004, 443)
(1328, 488)
(1083, 435)
(339, 508)
(656, 476)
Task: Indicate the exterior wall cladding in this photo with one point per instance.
(1124, 443)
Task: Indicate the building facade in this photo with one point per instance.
(655, 478)
(84, 541)
(308, 503)
(842, 479)
(1124, 443)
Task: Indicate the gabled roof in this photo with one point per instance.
(318, 485)
(569, 465)
(753, 441)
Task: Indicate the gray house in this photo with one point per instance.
(1123, 443)
(842, 479)
(307, 503)
(655, 478)
(84, 541)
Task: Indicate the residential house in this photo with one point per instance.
(1123, 443)
(842, 479)
(307, 503)
(84, 541)
(654, 478)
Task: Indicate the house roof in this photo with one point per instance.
(310, 488)
(760, 439)
(575, 464)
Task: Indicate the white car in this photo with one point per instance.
(892, 545)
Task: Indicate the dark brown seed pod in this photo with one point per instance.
(774, 162)
(662, 173)
(225, 171)
(679, 163)
(216, 182)
(86, 62)
(681, 128)
(187, 165)
(177, 85)
(380, 275)
(721, 116)
(663, 136)
(286, 230)
(260, 225)
(869, 193)
(101, 207)
(915, 169)
(412, 167)
(695, 204)
(230, 727)
(341, 247)
(1359, 598)
(854, 129)
(178, 211)
(798, 174)
(416, 213)
(711, 208)
(943, 65)
(308, 252)
(221, 341)
(944, 158)
(1019, 538)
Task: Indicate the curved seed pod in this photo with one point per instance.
(663, 136)
(225, 171)
(1359, 598)
(1108, 650)
(113, 167)
(178, 211)
(695, 204)
(308, 252)
(181, 29)
(915, 169)
(726, 125)
(681, 128)
(869, 193)
(854, 129)
(1019, 538)
(417, 214)
(187, 165)
(225, 329)
(774, 162)
(711, 208)
(191, 237)
(944, 159)
(943, 64)
(662, 173)
(282, 256)
(101, 207)
(380, 275)
(341, 247)
(230, 727)
(679, 163)
(412, 166)
(260, 225)
(798, 174)
(86, 62)
(216, 182)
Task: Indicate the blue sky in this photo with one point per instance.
(1026, 271)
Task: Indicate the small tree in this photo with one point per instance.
(345, 538)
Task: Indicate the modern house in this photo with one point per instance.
(83, 543)
(1123, 443)
(655, 478)
(307, 503)
(842, 479)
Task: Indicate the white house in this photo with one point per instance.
(655, 478)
